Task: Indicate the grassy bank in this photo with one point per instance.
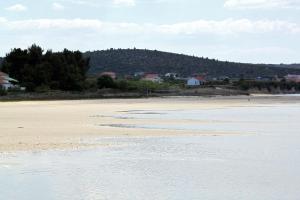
(114, 93)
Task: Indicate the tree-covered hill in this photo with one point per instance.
(129, 61)
(292, 66)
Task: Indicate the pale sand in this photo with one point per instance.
(40, 125)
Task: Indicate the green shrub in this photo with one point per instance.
(106, 82)
(123, 85)
(3, 92)
(42, 89)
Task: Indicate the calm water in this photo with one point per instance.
(267, 119)
(261, 163)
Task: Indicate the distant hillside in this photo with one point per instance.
(292, 66)
(129, 61)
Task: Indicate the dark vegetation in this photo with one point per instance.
(292, 66)
(106, 82)
(2, 92)
(132, 85)
(148, 87)
(129, 61)
(270, 86)
(39, 71)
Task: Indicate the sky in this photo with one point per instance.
(252, 31)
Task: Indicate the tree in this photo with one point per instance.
(14, 63)
(61, 70)
(105, 82)
(3, 92)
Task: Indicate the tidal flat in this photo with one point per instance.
(159, 148)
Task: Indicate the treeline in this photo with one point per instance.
(129, 61)
(2, 92)
(38, 71)
(131, 85)
(270, 86)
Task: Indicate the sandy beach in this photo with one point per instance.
(42, 125)
(237, 147)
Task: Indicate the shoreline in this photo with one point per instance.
(45, 125)
(117, 94)
(73, 96)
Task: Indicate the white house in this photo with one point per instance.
(193, 82)
(172, 75)
(6, 81)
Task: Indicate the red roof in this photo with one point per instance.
(200, 78)
(2, 80)
(151, 76)
(111, 74)
(3, 74)
(293, 78)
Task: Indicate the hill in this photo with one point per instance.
(129, 61)
(292, 66)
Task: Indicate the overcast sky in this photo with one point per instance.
(258, 31)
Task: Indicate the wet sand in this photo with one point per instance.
(42, 125)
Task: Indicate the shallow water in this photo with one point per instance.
(262, 164)
(267, 119)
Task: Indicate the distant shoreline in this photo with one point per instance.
(115, 94)
(56, 96)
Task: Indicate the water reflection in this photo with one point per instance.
(262, 166)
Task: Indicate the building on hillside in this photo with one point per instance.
(193, 82)
(292, 78)
(6, 82)
(113, 75)
(139, 74)
(201, 78)
(152, 77)
(265, 78)
(172, 75)
(196, 81)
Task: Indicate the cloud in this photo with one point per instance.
(83, 2)
(124, 2)
(57, 6)
(98, 3)
(261, 53)
(230, 26)
(258, 4)
(222, 27)
(17, 8)
(3, 20)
